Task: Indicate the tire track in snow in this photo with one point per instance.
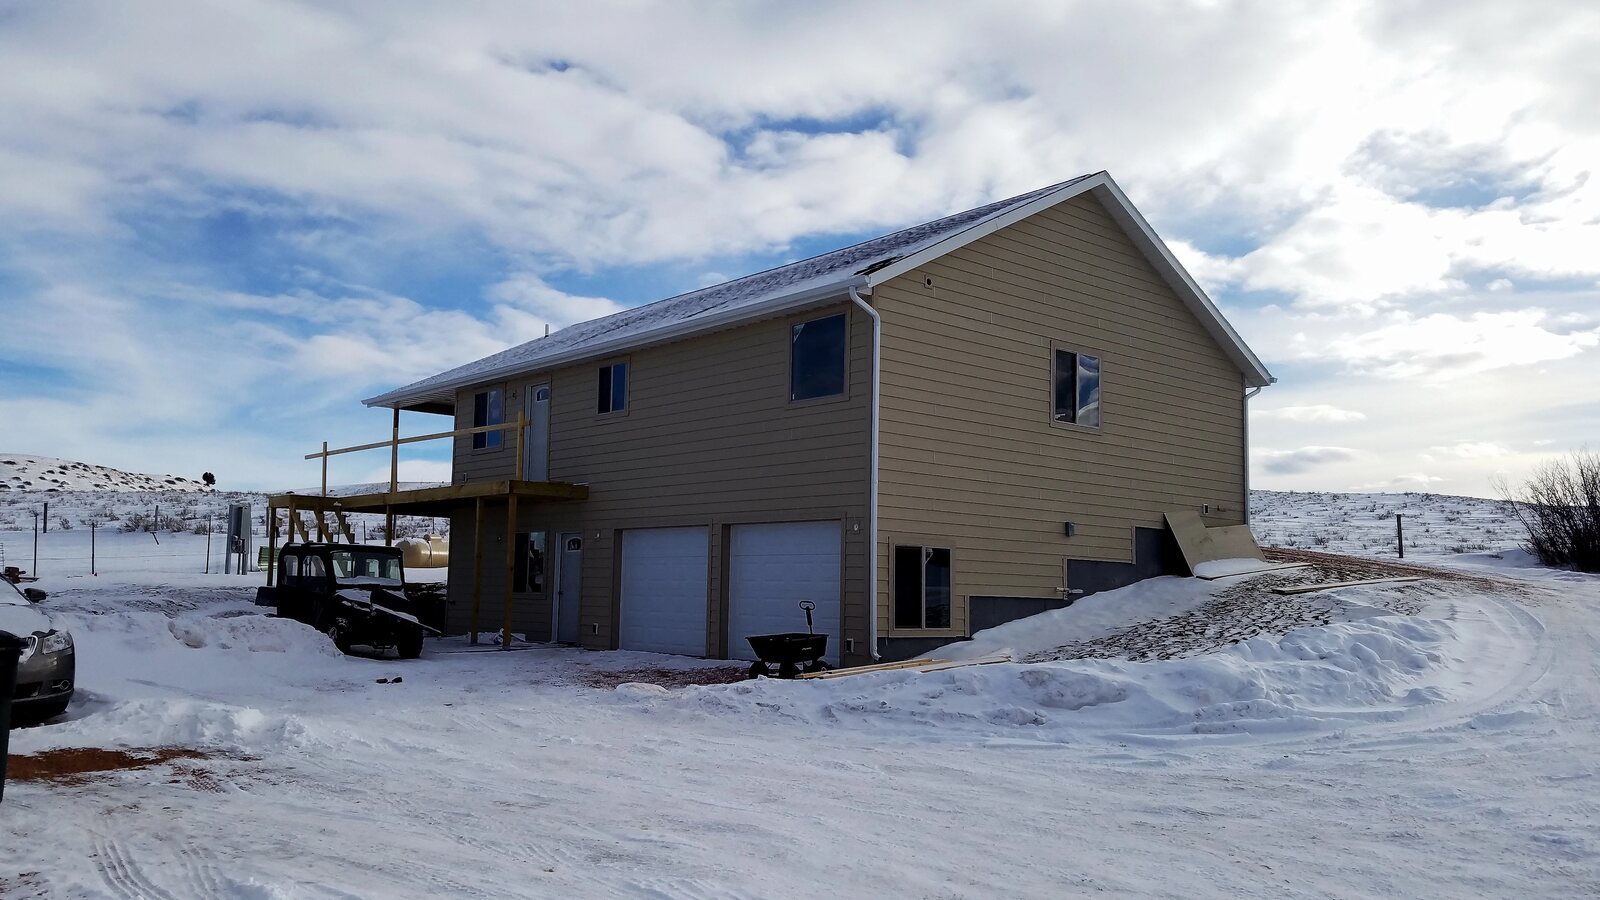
(122, 874)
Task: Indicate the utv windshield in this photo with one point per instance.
(358, 565)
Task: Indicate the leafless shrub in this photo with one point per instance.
(1560, 508)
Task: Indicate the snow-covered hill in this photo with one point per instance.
(1436, 525)
(23, 472)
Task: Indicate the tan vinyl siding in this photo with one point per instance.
(709, 438)
(970, 459)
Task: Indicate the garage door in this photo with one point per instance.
(771, 568)
(664, 590)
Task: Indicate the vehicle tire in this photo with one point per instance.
(339, 633)
(409, 646)
(759, 669)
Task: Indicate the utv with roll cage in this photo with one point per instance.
(353, 593)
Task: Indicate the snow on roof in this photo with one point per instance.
(819, 277)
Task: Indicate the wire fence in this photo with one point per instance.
(102, 538)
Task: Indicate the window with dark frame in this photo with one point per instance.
(488, 408)
(529, 568)
(817, 358)
(613, 388)
(1077, 388)
(921, 587)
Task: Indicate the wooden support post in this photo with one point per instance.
(288, 520)
(477, 563)
(522, 430)
(272, 543)
(394, 479)
(324, 468)
(323, 532)
(511, 568)
(344, 526)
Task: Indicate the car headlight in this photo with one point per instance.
(56, 642)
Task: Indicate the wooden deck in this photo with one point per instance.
(433, 501)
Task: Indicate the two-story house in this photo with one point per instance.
(926, 434)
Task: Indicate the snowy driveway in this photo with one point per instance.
(1461, 759)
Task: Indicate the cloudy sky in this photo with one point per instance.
(222, 224)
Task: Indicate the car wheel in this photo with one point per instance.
(339, 633)
(409, 646)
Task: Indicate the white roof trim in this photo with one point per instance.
(1154, 249)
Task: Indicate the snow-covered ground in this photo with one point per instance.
(1435, 525)
(1421, 741)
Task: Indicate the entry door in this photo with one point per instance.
(536, 443)
(569, 588)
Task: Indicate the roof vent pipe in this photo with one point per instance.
(872, 504)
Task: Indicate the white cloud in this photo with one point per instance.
(1473, 450)
(1414, 481)
(1320, 412)
(1443, 345)
(1302, 459)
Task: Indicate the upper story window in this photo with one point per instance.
(1077, 388)
(488, 408)
(817, 358)
(613, 388)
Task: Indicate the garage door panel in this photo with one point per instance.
(664, 587)
(771, 568)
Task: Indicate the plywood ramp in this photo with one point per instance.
(1199, 543)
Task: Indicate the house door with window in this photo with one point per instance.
(569, 588)
(536, 443)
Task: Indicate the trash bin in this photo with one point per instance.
(11, 648)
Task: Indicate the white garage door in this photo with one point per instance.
(770, 570)
(664, 590)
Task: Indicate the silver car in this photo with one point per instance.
(49, 663)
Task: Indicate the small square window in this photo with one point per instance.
(1077, 388)
(488, 408)
(613, 388)
(921, 587)
(817, 358)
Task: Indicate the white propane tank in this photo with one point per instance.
(431, 552)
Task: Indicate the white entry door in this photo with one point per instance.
(771, 568)
(664, 587)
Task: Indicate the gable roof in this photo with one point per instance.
(815, 281)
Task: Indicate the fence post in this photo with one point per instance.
(1400, 533)
(92, 569)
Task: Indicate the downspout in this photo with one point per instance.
(872, 514)
(1246, 429)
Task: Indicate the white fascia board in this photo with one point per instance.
(1118, 205)
(680, 328)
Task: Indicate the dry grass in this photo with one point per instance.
(74, 765)
(668, 678)
(1336, 567)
